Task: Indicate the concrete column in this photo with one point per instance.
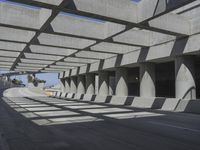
(33, 75)
(62, 85)
(147, 80)
(185, 82)
(121, 80)
(8, 78)
(73, 85)
(67, 85)
(90, 83)
(112, 84)
(103, 83)
(96, 84)
(81, 84)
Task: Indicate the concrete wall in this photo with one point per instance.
(164, 104)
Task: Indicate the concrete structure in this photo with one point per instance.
(90, 84)
(121, 82)
(130, 49)
(126, 70)
(73, 85)
(103, 83)
(147, 80)
(81, 84)
(185, 82)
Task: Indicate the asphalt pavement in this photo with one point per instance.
(43, 123)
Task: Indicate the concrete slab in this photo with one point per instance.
(142, 102)
(170, 104)
(116, 100)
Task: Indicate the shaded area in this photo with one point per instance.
(197, 76)
(165, 80)
(133, 82)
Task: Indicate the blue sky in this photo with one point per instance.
(51, 78)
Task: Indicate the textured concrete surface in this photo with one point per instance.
(41, 123)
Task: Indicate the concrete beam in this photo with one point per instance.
(16, 34)
(56, 69)
(35, 61)
(42, 56)
(151, 9)
(7, 59)
(5, 67)
(23, 16)
(64, 41)
(96, 55)
(109, 8)
(82, 26)
(142, 37)
(134, 36)
(6, 63)
(9, 53)
(172, 23)
(50, 71)
(52, 2)
(69, 64)
(10, 46)
(51, 50)
(61, 67)
(25, 67)
(114, 48)
(31, 65)
(79, 60)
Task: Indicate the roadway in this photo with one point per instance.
(37, 122)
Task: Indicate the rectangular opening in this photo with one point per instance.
(165, 79)
(133, 82)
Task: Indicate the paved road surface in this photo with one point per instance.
(42, 123)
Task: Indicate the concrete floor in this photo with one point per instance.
(41, 123)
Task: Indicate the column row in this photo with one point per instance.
(184, 81)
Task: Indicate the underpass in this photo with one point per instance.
(99, 74)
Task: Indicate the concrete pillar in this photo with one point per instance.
(62, 85)
(112, 86)
(103, 83)
(90, 83)
(67, 85)
(147, 80)
(8, 78)
(73, 85)
(33, 75)
(81, 84)
(121, 80)
(96, 84)
(185, 82)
